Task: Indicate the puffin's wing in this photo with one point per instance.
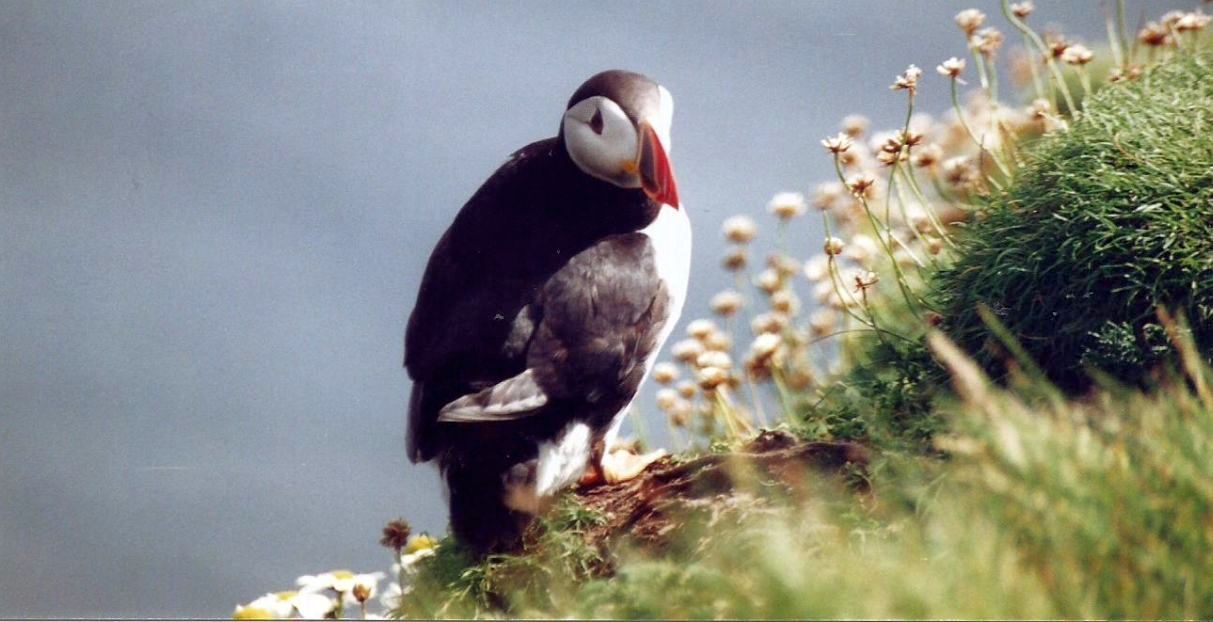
(513, 398)
(603, 314)
(465, 330)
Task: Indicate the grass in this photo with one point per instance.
(1106, 222)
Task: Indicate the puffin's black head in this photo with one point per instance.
(617, 128)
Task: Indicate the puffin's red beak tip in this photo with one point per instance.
(656, 173)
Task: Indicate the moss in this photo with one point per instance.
(1106, 222)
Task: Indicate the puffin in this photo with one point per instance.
(542, 309)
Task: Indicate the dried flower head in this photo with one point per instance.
(687, 350)
(1118, 74)
(785, 301)
(928, 156)
(833, 246)
(952, 67)
(667, 398)
(1154, 34)
(711, 377)
(687, 389)
(665, 372)
(787, 205)
(862, 248)
(396, 534)
(861, 185)
(769, 281)
(987, 41)
(854, 125)
(1056, 43)
(735, 260)
(908, 80)
(765, 346)
(970, 20)
(817, 268)
(959, 171)
(739, 229)
(1022, 9)
(864, 280)
(1192, 21)
(719, 341)
(726, 303)
(713, 358)
(680, 414)
(768, 323)
(837, 144)
(827, 195)
(1171, 18)
(889, 158)
(822, 322)
(1077, 54)
(701, 328)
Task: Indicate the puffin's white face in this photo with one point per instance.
(605, 144)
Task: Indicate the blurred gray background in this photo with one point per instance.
(214, 217)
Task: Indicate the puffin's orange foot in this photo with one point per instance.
(620, 465)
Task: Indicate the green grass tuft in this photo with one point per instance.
(1106, 222)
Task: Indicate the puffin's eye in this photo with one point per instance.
(596, 121)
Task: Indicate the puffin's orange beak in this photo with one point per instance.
(656, 174)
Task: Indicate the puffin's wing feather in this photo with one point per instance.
(513, 398)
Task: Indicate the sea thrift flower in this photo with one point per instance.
(862, 248)
(970, 20)
(1022, 9)
(726, 303)
(1192, 21)
(701, 328)
(861, 185)
(739, 229)
(768, 323)
(908, 81)
(768, 281)
(787, 205)
(959, 171)
(712, 358)
(827, 195)
(854, 125)
(1154, 35)
(785, 302)
(687, 389)
(822, 322)
(687, 350)
(666, 399)
(711, 377)
(764, 346)
(817, 268)
(928, 156)
(1077, 54)
(838, 144)
(833, 246)
(951, 67)
(987, 41)
(735, 259)
(665, 372)
(718, 341)
(396, 534)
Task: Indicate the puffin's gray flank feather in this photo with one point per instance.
(510, 399)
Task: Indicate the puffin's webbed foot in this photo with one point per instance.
(620, 464)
